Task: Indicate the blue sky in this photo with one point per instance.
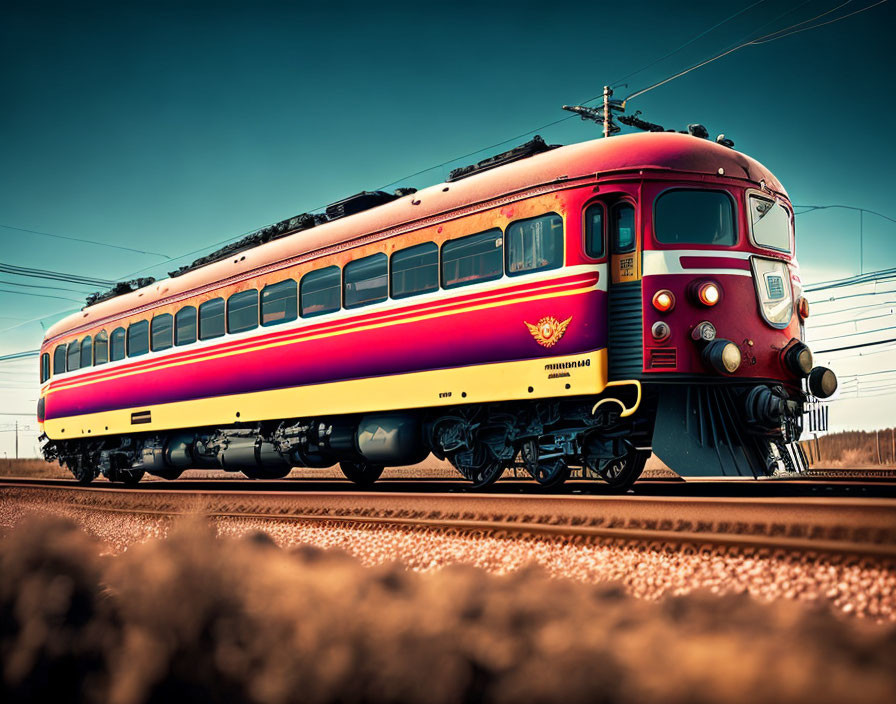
(170, 126)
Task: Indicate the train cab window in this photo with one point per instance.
(138, 338)
(594, 231)
(415, 270)
(101, 348)
(59, 360)
(622, 228)
(365, 281)
(185, 326)
(117, 345)
(162, 332)
(73, 356)
(44, 367)
(211, 319)
(319, 291)
(242, 311)
(695, 217)
(86, 352)
(769, 223)
(279, 302)
(472, 259)
(535, 244)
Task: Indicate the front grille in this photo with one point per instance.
(626, 333)
(663, 358)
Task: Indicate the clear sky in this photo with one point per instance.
(171, 126)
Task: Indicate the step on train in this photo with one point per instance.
(553, 308)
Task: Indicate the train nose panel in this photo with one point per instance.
(706, 431)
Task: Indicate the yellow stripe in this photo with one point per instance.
(360, 328)
(485, 383)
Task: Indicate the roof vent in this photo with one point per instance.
(535, 146)
(358, 203)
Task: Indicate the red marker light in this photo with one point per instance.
(803, 308)
(664, 301)
(709, 293)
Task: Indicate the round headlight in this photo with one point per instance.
(709, 293)
(660, 331)
(799, 359)
(723, 356)
(822, 382)
(664, 301)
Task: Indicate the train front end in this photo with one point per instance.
(724, 315)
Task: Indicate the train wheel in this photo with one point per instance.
(266, 473)
(131, 478)
(550, 471)
(621, 472)
(479, 467)
(361, 473)
(84, 473)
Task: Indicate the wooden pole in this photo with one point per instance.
(877, 432)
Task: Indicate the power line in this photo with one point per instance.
(54, 275)
(54, 288)
(759, 40)
(79, 239)
(37, 295)
(855, 347)
(19, 355)
(616, 83)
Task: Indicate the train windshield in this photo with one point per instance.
(770, 223)
(695, 217)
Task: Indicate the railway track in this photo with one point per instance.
(842, 527)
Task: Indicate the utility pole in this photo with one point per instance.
(608, 93)
(17, 439)
(861, 241)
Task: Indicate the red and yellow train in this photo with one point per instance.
(554, 307)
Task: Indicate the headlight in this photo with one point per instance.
(774, 291)
(724, 356)
(709, 293)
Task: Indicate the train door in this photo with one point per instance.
(625, 319)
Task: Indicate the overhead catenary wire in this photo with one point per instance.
(54, 275)
(759, 40)
(80, 239)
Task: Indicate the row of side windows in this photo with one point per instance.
(527, 246)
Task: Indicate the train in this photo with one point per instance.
(554, 309)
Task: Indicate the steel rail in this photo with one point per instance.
(841, 527)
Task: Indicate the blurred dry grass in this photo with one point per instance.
(855, 449)
(240, 620)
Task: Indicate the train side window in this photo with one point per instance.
(319, 291)
(162, 332)
(44, 367)
(535, 244)
(279, 302)
(415, 270)
(242, 311)
(86, 352)
(472, 259)
(594, 231)
(59, 359)
(622, 228)
(185, 326)
(73, 356)
(211, 319)
(366, 281)
(101, 348)
(117, 345)
(138, 338)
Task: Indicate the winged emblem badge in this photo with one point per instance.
(548, 331)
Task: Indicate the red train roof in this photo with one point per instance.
(666, 151)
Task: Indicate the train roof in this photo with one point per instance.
(666, 151)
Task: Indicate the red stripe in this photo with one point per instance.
(332, 326)
(714, 263)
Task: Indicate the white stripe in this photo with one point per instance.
(658, 262)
